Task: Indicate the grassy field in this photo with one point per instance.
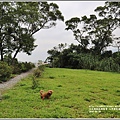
(74, 92)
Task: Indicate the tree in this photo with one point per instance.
(92, 31)
(99, 32)
(61, 46)
(5, 20)
(26, 19)
(110, 14)
(96, 31)
(55, 55)
(79, 34)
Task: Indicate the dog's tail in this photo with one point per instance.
(41, 91)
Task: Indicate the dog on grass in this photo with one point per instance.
(45, 94)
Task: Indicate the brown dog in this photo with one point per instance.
(46, 94)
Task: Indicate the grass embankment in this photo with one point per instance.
(74, 92)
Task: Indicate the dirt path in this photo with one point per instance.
(9, 84)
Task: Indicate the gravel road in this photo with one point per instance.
(9, 84)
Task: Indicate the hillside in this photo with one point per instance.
(75, 91)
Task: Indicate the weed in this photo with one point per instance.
(5, 97)
(87, 99)
(118, 91)
(59, 86)
(51, 77)
(35, 82)
(104, 89)
(37, 73)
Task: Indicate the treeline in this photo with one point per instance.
(94, 34)
(77, 58)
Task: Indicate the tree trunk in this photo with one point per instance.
(15, 55)
(1, 52)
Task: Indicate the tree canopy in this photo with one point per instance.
(19, 21)
(96, 32)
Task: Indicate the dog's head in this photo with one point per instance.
(50, 92)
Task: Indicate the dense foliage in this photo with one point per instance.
(22, 67)
(95, 32)
(94, 35)
(77, 58)
(5, 71)
(18, 67)
(19, 21)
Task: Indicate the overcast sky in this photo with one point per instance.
(48, 38)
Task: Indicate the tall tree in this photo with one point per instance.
(96, 31)
(110, 19)
(79, 34)
(99, 33)
(111, 13)
(26, 18)
(5, 20)
(90, 30)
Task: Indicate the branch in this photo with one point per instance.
(39, 28)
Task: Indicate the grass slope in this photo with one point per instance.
(74, 92)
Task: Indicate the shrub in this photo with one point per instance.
(34, 82)
(109, 65)
(37, 73)
(41, 67)
(5, 71)
(16, 69)
(28, 65)
(22, 67)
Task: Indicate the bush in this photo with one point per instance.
(16, 70)
(34, 82)
(41, 67)
(109, 65)
(22, 67)
(28, 66)
(37, 73)
(5, 71)
(92, 62)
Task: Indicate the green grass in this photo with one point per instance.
(74, 92)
